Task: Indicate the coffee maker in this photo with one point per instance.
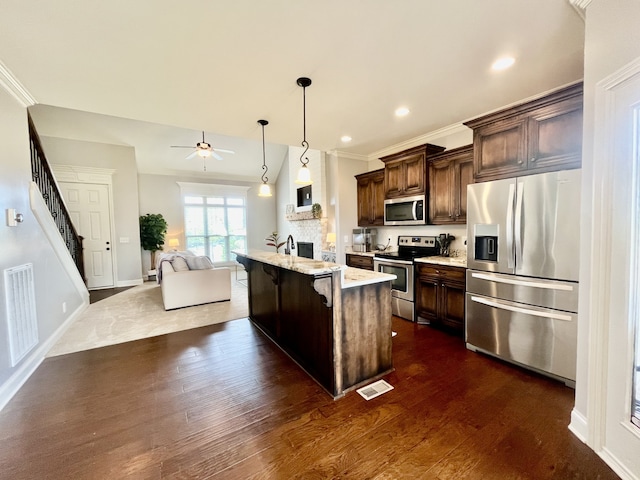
(364, 239)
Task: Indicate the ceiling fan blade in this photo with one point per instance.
(224, 151)
(215, 155)
(191, 155)
(181, 146)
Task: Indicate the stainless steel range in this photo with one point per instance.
(400, 264)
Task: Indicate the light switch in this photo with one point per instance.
(124, 239)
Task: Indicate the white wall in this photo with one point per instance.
(161, 194)
(26, 243)
(122, 159)
(612, 40)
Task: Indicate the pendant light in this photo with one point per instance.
(304, 175)
(265, 189)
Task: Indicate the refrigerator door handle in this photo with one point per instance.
(526, 311)
(522, 283)
(518, 221)
(510, 256)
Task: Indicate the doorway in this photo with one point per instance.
(89, 206)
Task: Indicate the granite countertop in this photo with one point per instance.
(356, 277)
(450, 261)
(351, 277)
(364, 254)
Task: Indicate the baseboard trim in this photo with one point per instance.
(621, 470)
(33, 361)
(579, 426)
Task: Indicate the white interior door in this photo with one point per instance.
(621, 436)
(88, 205)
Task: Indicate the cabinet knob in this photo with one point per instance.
(533, 159)
(520, 162)
(437, 271)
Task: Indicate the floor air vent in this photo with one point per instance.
(374, 389)
(21, 311)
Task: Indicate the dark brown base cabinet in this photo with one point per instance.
(359, 261)
(440, 296)
(340, 337)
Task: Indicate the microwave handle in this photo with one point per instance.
(415, 209)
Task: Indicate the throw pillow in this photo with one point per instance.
(199, 263)
(180, 264)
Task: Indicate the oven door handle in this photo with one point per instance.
(386, 261)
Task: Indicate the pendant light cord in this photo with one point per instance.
(304, 83)
(264, 177)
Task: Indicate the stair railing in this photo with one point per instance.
(43, 177)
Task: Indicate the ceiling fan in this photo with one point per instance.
(204, 150)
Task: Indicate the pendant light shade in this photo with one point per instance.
(265, 189)
(304, 175)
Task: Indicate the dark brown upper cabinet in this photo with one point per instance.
(370, 198)
(405, 173)
(538, 136)
(449, 174)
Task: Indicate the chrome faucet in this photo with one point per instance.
(287, 248)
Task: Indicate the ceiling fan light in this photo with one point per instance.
(203, 153)
(304, 176)
(265, 190)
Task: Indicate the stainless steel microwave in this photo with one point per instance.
(405, 211)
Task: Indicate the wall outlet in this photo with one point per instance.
(64, 307)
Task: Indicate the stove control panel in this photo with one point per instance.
(409, 241)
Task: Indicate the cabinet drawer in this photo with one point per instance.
(441, 272)
(360, 261)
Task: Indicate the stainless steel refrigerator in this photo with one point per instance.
(522, 278)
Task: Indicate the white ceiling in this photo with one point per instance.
(140, 68)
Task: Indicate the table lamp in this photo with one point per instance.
(174, 243)
(331, 240)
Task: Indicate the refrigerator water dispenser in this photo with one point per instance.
(486, 243)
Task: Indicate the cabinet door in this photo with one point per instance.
(414, 174)
(500, 149)
(306, 331)
(451, 305)
(393, 179)
(555, 136)
(441, 192)
(426, 293)
(263, 308)
(463, 176)
(377, 198)
(364, 202)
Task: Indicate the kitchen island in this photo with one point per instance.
(333, 320)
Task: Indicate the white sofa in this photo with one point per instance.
(185, 287)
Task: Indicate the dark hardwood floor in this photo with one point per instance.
(97, 295)
(223, 402)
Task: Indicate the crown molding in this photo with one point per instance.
(11, 84)
(580, 6)
(349, 156)
(421, 140)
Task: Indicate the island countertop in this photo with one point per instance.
(351, 277)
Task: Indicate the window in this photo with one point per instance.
(215, 225)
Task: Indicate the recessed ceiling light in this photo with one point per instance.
(402, 111)
(346, 138)
(503, 63)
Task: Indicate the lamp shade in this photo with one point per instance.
(174, 243)
(331, 237)
(265, 190)
(304, 176)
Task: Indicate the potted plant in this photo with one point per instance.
(316, 210)
(272, 241)
(153, 228)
